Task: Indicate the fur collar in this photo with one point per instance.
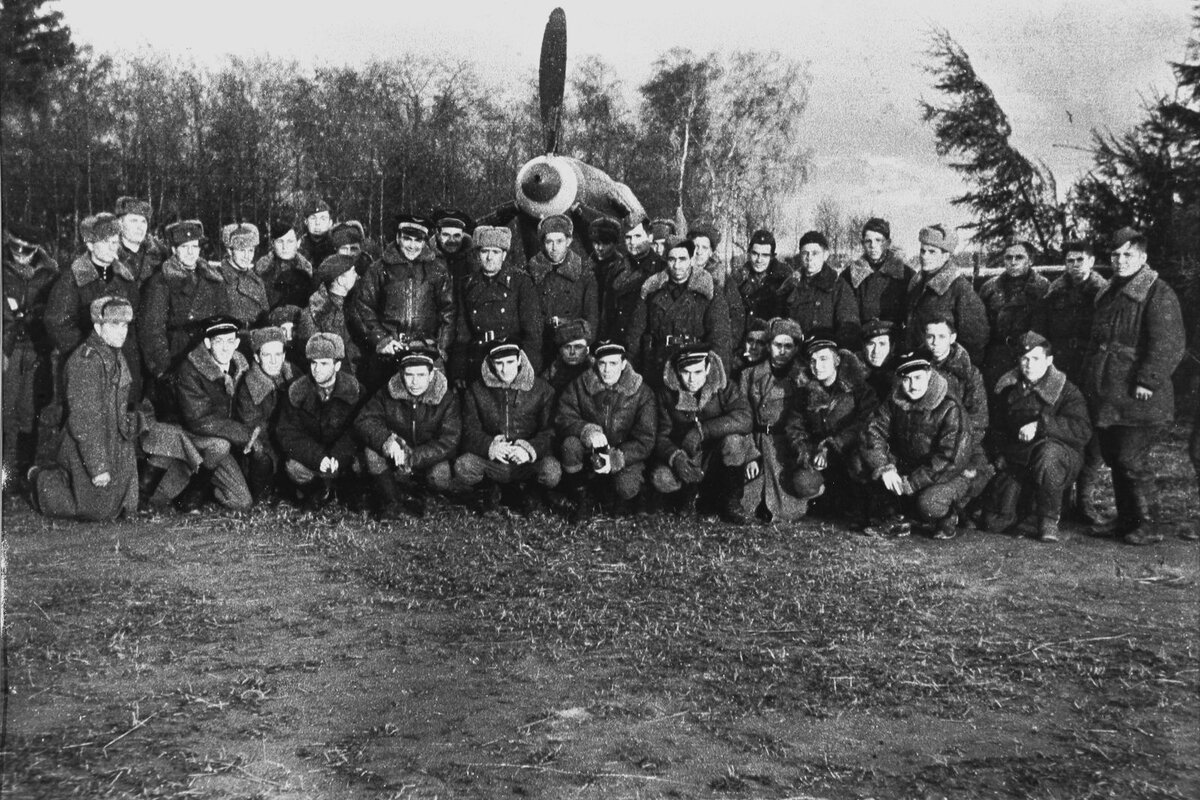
(345, 387)
(432, 396)
(393, 256)
(957, 363)
(686, 401)
(260, 385)
(173, 270)
(522, 383)
(571, 268)
(700, 282)
(939, 282)
(628, 384)
(271, 262)
(1138, 287)
(1063, 283)
(891, 266)
(938, 389)
(1049, 388)
(84, 271)
(776, 271)
(718, 269)
(203, 361)
(823, 280)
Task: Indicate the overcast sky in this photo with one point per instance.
(1058, 68)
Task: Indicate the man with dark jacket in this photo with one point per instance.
(315, 244)
(878, 356)
(760, 280)
(566, 289)
(681, 306)
(606, 258)
(1137, 342)
(451, 240)
(816, 298)
(622, 294)
(1042, 426)
(205, 384)
(315, 429)
(916, 447)
(411, 428)
(256, 403)
(1011, 300)
(606, 428)
(703, 434)
(245, 292)
(572, 358)
(508, 431)
(939, 291)
(880, 278)
(140, 252)
(286, 275)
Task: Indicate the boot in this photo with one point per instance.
(413, 499)
(389, 497)
(318, 495)
(194, 495)
(260, 478)
(1145, 529)
(735, 482)
(685, 499)
(1084, 507)
(484, 497)
(946, 527)
(147, 484)
(583, 501)
(1048, 529)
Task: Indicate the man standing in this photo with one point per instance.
(760, 280)
(1011, 299)
(939, 291)
(622, 295)
(315, 244)
(880, 278)
(287, 275)
(95, 473)
(452, 240)
(816, 298)
(246, 295)
(606, 257)
(566, 290)
(1137, 342)
(140, 251)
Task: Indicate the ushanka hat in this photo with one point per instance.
(111, 309)
(99, 227)
(133, 205)
(325, 345)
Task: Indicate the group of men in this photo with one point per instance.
(622, 365)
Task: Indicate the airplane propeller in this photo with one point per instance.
(552, 77)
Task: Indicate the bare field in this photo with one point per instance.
(283, 656)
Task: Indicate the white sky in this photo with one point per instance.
(1097, 60)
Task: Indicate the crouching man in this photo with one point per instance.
(256, 403)
(508, 432)
(315, 425)
(411, 428)
(1042, 426)
(95, 472)
(606, 422)
(916, 446)
(703, 434)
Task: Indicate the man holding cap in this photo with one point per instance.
(508, 431)
(1137, 342)
(880, 277)
(205, 385)
(606, 426)
(411, 428)
(139, 251)
(817, 299)
(315, 244)
(938, 290)
(566, 290)
(256, 404)
(703, 434)
(95, 472)
(916, 447)
(1041, 428)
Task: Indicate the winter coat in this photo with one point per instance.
(823, 303)
(720, 273)
(256, 398)
(1053, 402)
(945, 293)
(205, 395)
(68, 314)
(99, 436)
(769, 397)
(1064, 316)
(560, 374)
(761, 291)
(927, 441)
(175, 301)
(831, 417)
(429, 426)
(326, 313)
(311, 430)
(504, 306)
(401, 299)
(1137, 340)
(718, 410)
(1010, 304)
(567, 291)
(881, 290)
(288, 283)
(604, 270)
(968, 387)
(623, 297)
(674, 314)
(26, 294)
(625, 413)
(315, 249)
(246, 295)
(522, 410)
(147, 260)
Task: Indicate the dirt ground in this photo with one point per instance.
(282, 656)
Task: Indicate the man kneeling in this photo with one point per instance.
(606, 418)
(411, 428)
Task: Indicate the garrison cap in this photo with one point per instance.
(1031, 339)
(1127, 235)
(279, 228)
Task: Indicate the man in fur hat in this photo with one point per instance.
(566, 289)
(140, 251)
(315, 245)
(245, 291)
(572, 338)
(606, 258)
(939, 291)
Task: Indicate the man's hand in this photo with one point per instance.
(1027, 432)
(329, 465)
(518, 454)
(1142, 393)
(893, 482)
(102, 480)
(394, 451)
(692, 441)
(821, 460)
(596, 440)
(752, 470)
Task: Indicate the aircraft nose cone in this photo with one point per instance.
(542, 183)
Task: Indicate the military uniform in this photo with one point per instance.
(945, 293)
(881, 289)
(1011, 304)
(288, 283)
(823, 303)
(175, 302)
(622, 295)
(146, 260)
(761, 291)
(673, 315)
(27, 381)
(402, 300)
(769, 394)
(503, 306)
(567, 292)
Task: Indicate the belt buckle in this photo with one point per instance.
(488, 336)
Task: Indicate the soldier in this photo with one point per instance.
(246, 294)
(1137, 341)
(760, 280)
(880, 278)
(939, 291)
(139, 251)
(768, 386)
(94, 476)
(508, 431)
(706, 239)
(1042, 427)
(606, 259)
(256, 404)
(606, 425)
(205, 383)
(406, 297)
(411, 428)
(966, 381)
(566, 290)
(1064, 317)
(828, 410)
(498, 303)
(327, 310)
(1010, 299)
(879, 340)
(573, 360)
(703, 434)
(622, 296)
(315, 431)
(916, 447)
(451, 240)
(659, 231)
(815, 297)
(29, 274)
(286, 275)
(680, 306)
(755, 347)
(315, 244)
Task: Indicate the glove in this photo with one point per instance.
(616, 460)
(685, 469)
(692, 441)
(498, 449)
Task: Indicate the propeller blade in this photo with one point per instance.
(552, 77)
